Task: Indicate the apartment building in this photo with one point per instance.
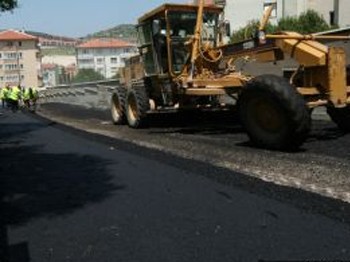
(52, 41)
(341, 13)
(54, 74)
(105, 56)
(335, 12)
(50, 75)
(19, 59)
(240, 12)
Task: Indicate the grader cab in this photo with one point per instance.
(183, 64)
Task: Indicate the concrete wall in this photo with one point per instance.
(89, 95)
(63, 60)
(342, 16)
(239, 13)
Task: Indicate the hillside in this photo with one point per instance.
(49, 36)
(125, 31)
(64, 51)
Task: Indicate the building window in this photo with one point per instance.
(114, 60)
(13, 55)
(86, 61)
(100, 61)
(9, 43)
(267, 4)
(9, 55)
(19, 43)
(10, 67)
(11, 78)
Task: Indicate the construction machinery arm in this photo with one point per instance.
(196, 38)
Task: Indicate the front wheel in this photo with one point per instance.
(137, 105)
(274, 115)
(118, 106)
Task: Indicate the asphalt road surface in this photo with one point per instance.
(68, 195)
(322, 165)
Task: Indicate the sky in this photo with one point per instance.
(76, 18)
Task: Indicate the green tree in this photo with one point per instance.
(87, 75)
(289, 23)
(306, 23)
(7, 5)
(249, 31)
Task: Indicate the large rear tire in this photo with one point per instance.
(274, 115)
(118, 106)
(137, 106)
(340, 116)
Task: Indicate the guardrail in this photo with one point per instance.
(89, 94)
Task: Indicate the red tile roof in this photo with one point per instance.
(15, 35)
(105, 43)
(48, 66)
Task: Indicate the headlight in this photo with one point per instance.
(262, 37)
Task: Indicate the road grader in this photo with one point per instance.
(184, 64)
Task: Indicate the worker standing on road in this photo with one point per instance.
(14, 97)
(35, 97)
(4, 93)
(27, 95)
(2, 96)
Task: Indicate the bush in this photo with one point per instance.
(249, 31)
(307, 23)
(87, 75)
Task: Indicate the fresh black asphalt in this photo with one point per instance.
(70, 196)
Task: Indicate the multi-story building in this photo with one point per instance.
(50, 41)
(50, 75)
(341, 13)
(240, 12)
(105, 56)
(333, 11)
(58, 69)
(55, 74)
(19, 59)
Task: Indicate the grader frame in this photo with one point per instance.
(179, 67)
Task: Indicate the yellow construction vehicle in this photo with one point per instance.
(183, 64)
